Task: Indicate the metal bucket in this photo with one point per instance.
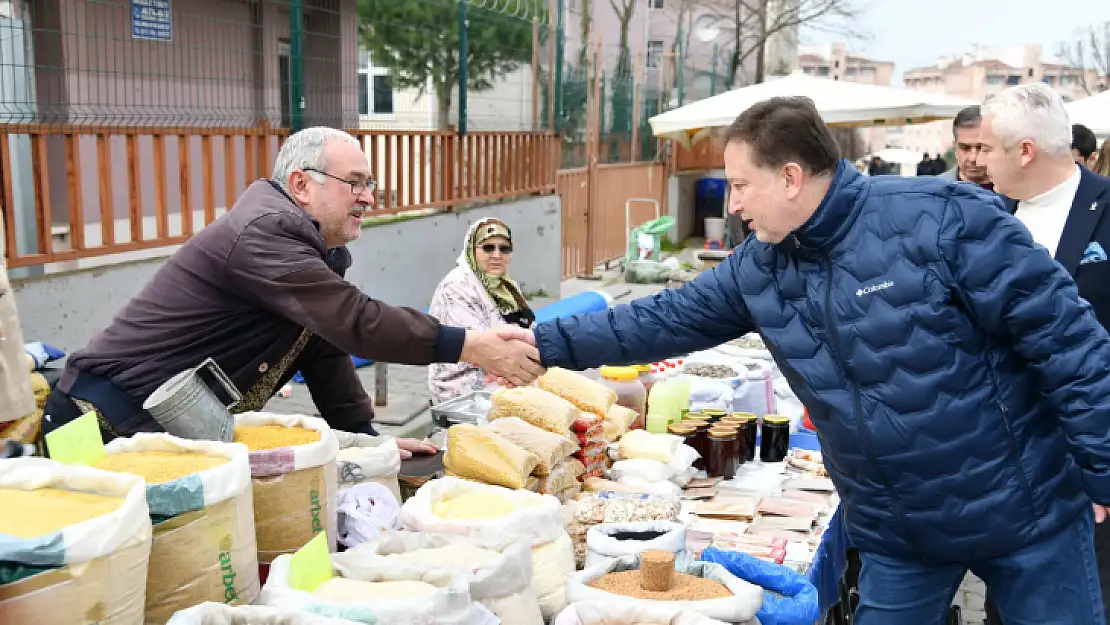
(185, 406)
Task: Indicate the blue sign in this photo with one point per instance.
(151, 19)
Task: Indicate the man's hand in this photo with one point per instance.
(410, 446)
(1101, 513)
(507, 354)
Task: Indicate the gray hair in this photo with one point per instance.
(1034, 112)
(305, 150)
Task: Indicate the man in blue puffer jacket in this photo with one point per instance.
(958, 384)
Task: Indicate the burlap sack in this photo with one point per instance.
(103, 561)
(294, 487)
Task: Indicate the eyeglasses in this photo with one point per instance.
(358, 187)
(490, 248)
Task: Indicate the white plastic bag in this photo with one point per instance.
(619, 540)
(745, 601)
(450, 605)
(365, 512)
(104, 559)
(605, 613)
(504, 586)
(210, 613)
(536, 519)
(363, 458)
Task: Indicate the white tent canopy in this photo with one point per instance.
(840, 104)
(899, 155)
(1092, 112)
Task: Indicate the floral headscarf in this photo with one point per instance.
(502, 289)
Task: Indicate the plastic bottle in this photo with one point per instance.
(680, 393)
(659, 402)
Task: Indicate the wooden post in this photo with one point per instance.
(634, 149)
(551, 52)
(381, 384)
(535, 73)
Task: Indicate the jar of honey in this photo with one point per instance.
(775, 440)
(699, 440)
(724, 452)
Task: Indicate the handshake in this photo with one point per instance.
(508, 355)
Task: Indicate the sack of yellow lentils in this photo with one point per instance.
(74, 544)
(199, 494)
(293, 475)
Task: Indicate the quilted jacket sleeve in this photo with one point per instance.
(699, 315)
(1020, 295)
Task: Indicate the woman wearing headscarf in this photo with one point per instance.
(477, 294)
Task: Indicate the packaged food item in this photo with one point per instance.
(564, 476)
(211, 613)
(641, 444)
(78, 544)
(294, 487)
(593, 508)
(199, 495)
(586, 394)
(364, 459)
(479, 454)
(625, 382)
(617, 421)
(542, 409)
(549, 448)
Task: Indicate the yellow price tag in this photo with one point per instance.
(77, 442)
(311, 565)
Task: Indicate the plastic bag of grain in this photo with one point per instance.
(586, 394)
(550, 448)
(493, 517)
(604, 613)
(363, 458)
(293, 478)
(739, 604)
(479, 454)
(627, 541)
(199, 495)
(74, 544)
(500, 579)
(432, 597)
(564, 476)
(219, 614)
(536, 406)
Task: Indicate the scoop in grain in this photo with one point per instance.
(656, 570)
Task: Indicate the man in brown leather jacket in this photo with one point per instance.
(261, 291)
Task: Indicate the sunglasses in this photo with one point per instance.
(490, 248)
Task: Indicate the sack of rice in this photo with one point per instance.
(533, 405)
(220, 614)
(363, 458)
(433, 597)
(74, 544)
(199, 495)
(493, 517)
(478, 454)
(586, 394)
(500, 579)
(293, 478)
(550, 448)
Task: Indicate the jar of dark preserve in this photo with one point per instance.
(724, 453)
(775, 443)
(714, 415)
(747, 424)
(699, 440)
(683, 431)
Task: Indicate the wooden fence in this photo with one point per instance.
(92, 191)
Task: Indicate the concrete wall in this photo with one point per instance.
(399, 263)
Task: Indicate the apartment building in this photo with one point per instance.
(981, 72)
(835, 62)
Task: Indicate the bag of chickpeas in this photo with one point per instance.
(74, 544)
(293, 475)
(199, 494)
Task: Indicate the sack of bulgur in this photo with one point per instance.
(74, 544)
(293, 478)
(199, 495)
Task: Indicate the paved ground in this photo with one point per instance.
(408, 396)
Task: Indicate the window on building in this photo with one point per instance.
(1067, 80)
(807, 70)
(655, 4)
(383, 95)
(851, 71)
(994, 80)
(1013, 80)
(823, 70)
(1030, 72)
(1049, 80)
(375, 90)
(654, 53)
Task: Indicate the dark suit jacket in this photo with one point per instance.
(1088, 223)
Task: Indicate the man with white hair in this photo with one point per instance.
(1027, 141)
(261, 291)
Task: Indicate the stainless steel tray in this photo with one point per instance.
(470, 408)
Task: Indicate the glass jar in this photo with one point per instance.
(775, 438)
(714, 414)
(625, 382)
(699, 441)
(747, 424)
(724, 452)
(683, 431)
(647, 376)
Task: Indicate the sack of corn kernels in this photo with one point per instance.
(74, 544)
(293, 477)
(199, 494)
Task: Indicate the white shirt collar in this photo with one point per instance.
(1060, 195)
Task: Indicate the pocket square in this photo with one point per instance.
(1093, 254)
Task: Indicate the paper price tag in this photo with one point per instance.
(77, 442)
(310, 566)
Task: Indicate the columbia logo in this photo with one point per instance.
(867, 290)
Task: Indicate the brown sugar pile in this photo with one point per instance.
(685, 587)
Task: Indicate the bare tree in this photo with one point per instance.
(752, 23)
(1090, 50)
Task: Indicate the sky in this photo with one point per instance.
(914, 33)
